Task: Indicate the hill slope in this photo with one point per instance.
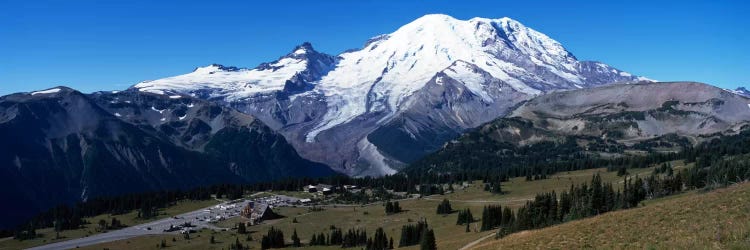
(610, 120)
(59, 146)
(716, 219)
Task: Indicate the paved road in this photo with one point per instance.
(201, 218)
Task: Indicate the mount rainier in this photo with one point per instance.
(402, 95)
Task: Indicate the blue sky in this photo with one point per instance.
(107, 45)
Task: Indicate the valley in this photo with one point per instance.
(369, 217)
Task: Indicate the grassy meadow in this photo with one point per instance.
(448, 234)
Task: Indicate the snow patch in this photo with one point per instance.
(174, 97)
(161, 111)
(153, 91)
(233, 85)
(473, 81)
(48, 91)
(646, 79)
(118, 114)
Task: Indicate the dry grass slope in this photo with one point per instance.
(719, 219)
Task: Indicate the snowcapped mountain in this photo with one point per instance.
(370, 111)
(293, 72)
(741, 91)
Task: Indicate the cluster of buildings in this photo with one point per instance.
(319, 189)
(325, 189)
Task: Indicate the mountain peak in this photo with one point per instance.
(54, 90)
(302, 50)
(742, 91)
(217, 67)
(434, 18)
(438, 19)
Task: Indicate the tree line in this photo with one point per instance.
(418, 234)
(720, 161)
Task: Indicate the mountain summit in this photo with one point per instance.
(301, 66)
(404, 94)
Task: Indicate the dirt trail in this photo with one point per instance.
(474, 243)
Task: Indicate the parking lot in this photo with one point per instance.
(198, 219)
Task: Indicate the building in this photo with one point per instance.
(258, 212)
(247, 210)
(311, 189)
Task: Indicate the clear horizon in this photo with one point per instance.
(93, 46)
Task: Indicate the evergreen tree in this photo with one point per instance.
(492, 216)
(265, 243)
(444, 207)
(273, 239)
(295, 239)
(379, 240)
(622, 171)
(411, 234)
(497, 188)
(464, 216)
(392, 207)
(428, 240)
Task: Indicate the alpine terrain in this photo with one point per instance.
(742, 91)
(370, 111)
(613, 120)
(58, 146)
